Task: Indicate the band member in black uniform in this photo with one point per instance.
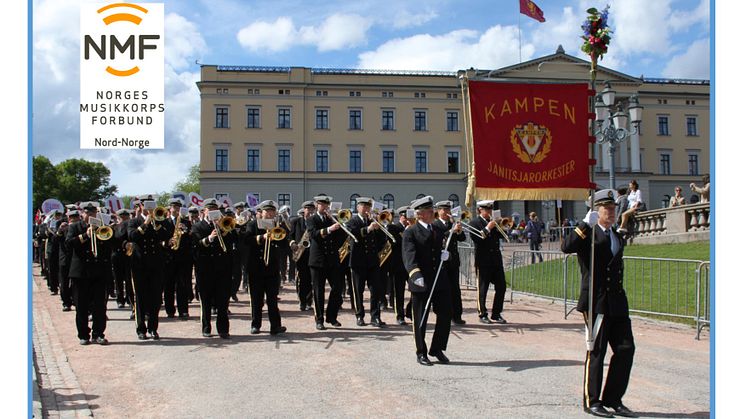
(422, 251)
(194, 218)
(298, 238)
(88, 276)
(292, 268)
(364, 262)
(489, 262)
(242, 217)
(53, 250)
(610, 306)
(178, 276)
(213, 249)
(394, 265)
(264, 268)
(121, 263)
(323, 260)
(444, 224)
(41, 237)
(148, 263)
(65, 255)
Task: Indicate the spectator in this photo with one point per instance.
(678, 199)
(534, 228)
(622, 204)
(634, 203)
(704, 191)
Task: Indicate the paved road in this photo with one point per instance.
(531, 367)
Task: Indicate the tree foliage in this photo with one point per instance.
(191, 182)
(72, 180)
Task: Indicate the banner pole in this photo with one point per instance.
(468, 140)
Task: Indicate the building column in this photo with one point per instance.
(634, 151)
(605, 162)
(623, 152)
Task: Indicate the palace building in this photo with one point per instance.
(289, 133)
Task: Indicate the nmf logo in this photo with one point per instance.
(122, 76)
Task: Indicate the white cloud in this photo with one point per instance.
(496, 47)
(184, 43)
(406, 19)
(641, 26)
(683, 20)
(338, 31)
(692, 64)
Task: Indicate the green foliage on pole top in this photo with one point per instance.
(72, 180)
(596, 33)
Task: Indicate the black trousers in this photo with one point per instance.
(399, 280)
(441, 305)
(90, 296)
(372, 277)
(454, 278)
(148, 284)
(66, 290)
(53, 279)
(265, 287)
(303, 286)
(319, 277)
(123, 278)
(178, 280)
(617, 333)
(535, 245)
(214, 291)
(496, 276)
(236, 273)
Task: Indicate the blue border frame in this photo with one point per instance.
(713, 221)
(29, 203)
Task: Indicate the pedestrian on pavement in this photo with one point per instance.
(534, 228)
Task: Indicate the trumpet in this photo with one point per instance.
(342, 218)
(503, 224)
(276, 233)
(383, 219)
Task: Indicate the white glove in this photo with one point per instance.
(591, 218)
(420, 282)
(333, 227)
(444, 255)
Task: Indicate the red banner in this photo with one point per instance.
(530, 9)
(531, 141)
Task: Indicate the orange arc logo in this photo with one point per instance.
(122, 17)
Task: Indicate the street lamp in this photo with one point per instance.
(612, 128)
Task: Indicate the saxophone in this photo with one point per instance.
(384, 253)
(177, 233)
(305, 243)
(345, 250)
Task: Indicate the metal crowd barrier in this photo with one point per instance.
(657, 287)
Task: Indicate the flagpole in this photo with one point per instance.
(520, 59)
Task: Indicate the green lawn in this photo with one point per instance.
(694, 250)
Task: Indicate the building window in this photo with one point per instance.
(388, 161)
(322, 119)
(356, 119)
(691, 126)
(221, 160)
(663, 125)
(283, 160)
(453, 162)
(322, 93)
(451, 121)
(283, 199)
(420, 120)
(283, 92)
(253, 91)
(387, 94)
(283, 118)
(452, 95)
(252, 118)
(693, 164)
(419, 95)
(221, 118)
(356, 163)
(322, 160)
(353, 94)
(454, 200)
(252, 160)
(665, 164)
(420, 161)
(388, 200)
(387, 120)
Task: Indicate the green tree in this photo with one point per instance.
(82, 180)
(45, 180)
(191, 182)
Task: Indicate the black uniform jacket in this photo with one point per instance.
(445, 227)
(82, 263)
(324, 250)
(121, 237)
(421, 254)
(608, 288)
(395, 261)
(364, 252)
(486, 251)
(149, 242)
(256, 241)
(184, 252)
(210, 257)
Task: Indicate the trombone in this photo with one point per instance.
(276, 233)
(383, 219)
(99, 232)
(159, 214)
(504, 224)
(224, 226)
(464, 217)
(343, 217)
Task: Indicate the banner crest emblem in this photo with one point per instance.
(531, 143)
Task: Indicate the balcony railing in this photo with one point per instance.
(672, 225)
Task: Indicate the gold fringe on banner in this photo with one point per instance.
(506, 194)
(470, 186)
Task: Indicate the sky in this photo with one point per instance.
(661, 38)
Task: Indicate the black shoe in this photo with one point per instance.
(498, 319)
(459, 321)
(84, 342)
(423, 360)
(66, 308)
(360, 321)
(280, 330)
(184, 316)
(598, 410)
(303, 307)
(234, 297)
(377, 322)
(320, 326)
(155, 335)
(254, 330)
(485, 320)
(229, 312)
(142, 336)
(101, 341)
(335, 323)
(401, 322)
(225, 336)
(120, 305)
(622, 410)
(132, 315)
(206, 334)
(442, 358)
(171, 315)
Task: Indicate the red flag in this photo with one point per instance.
(531, 10)
(530, 140)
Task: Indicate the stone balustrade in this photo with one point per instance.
(672, 225)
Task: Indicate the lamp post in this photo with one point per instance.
(612, 128)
